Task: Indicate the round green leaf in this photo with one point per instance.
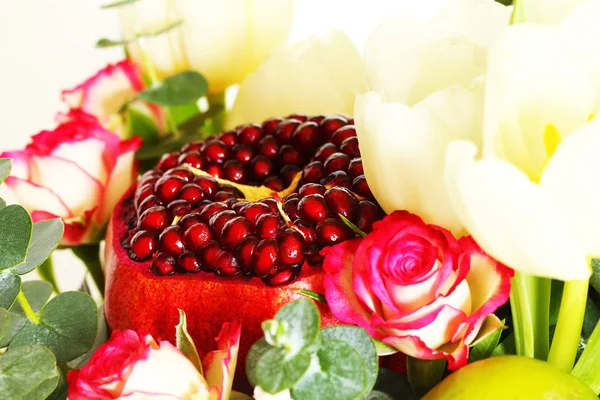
(179, 89)
(68, 325)
(43, 390)
(5, 167)
(362, 343)
(4, 321)
(25, 370)
(276, 372)
(10, 284)
(256, 351)
(14, 236)
(340, 374)
(45, 237)
(303, 322)
(2, 203)
(101, 337)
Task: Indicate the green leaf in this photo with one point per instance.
(185, 343)
(391, 385)
(118, 3)
(506, 347)
(14, 236)
(68, 325)
(313, 295)
(5, 168)
(45, 237)
(383, 349)
(256, 352)
(26, 370)
(179, 89)
(104, 42)
(362, 343)
(239, 396)
(303, 322)
(423, 375)
(486, 347)
(10, 284)
(101, 337)
(4, 322)
(338, 372)
(182, 113)
(595, 279)
(2, 203)
(586, 369)
(276, 372)
(140, 124)
(350, 225)
(44, 389)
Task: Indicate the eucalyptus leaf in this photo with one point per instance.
(485, 348)
(179, 89)
(140, 124)
(256, 352)
(45, 237)
(4, 322)
(14, 236)
(383, 349)
(2, 203)
(313, 295)
(68, 326)
(185, 343)
(303, 319)
(338, 372)
(5, 168)
(10, 284)
(44, 390)
(362, 343)
(276, 372)
(391, 385)
(118, 3)
(101, 337)
(26, 370)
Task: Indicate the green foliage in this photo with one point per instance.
(350, 225)
(383, 349)
(118, 3)
(595, 279)
(27, 372)
(45, 237)
(14, 241)
(104, 42)
(4, 322)
(391, 386)
(486, 347)
(179, 89)
(423, 375)
(313, 295)
(10, 284)
(140, 124)
(5, 167)
(185, 343)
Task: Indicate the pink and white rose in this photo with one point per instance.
(134, 366)
(417, 288)
(76, 172)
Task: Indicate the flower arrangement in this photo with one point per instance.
(418, 221)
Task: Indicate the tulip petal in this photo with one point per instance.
(219, 365)
(569, 182)
(510, 217)
(549, 12)
(321, 75)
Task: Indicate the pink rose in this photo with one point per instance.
(417, 288)
(133, 366)
(76, 172)
(104, 94)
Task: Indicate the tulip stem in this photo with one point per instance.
(569, 325)
(541, 288)
(89, 254)
(520, 304)
(29, 313)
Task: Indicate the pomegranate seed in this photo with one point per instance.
(193, 158)
(288, 173)
(269, 225)
(143, 245)
(311, 188)
(261, 167)
(193, 146)
(234, 171)
(290, 207)
(188, 220)
(307, 137)
(361, 187)
(272, 203)
(178, 208)
(291, 246)
(191, 193)
(286, 129)
(250, 134)
(215, 152)
(313, 208)
(231, 189)
(168, 161)
(219, 220)
(332, 231)
(238, 206)
(317, 118)
(313, 255)
(149, 177)
(337, 178)
(208, 184)
(215, 171)
(298, 117)
(350, 147)
(268, 146)
(210, 210)
(337, 162)
(313, 172)
(254, 211)
(369, 213)
(228, 137)
(246, 252)
(209, 254)
(163, 264)
(223, 196)
(341, 201)
(266, 258)
(142, 193)
(234, 231)
(243, 153)
(154, 219)
(274, 183)
(181, 172)
(149, 202)
(307, 231)
(170, 241)
(355, 168)
(196, 236)
(168, 187)
(325, 151)
(270, 126)
(226, 264)
(283, 277)
(342, 134)
(331, 124)
(289, 155)
(188, 262)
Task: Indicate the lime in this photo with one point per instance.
(510, 377)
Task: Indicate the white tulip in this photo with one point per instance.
(549, 12)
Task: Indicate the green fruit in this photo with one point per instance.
(510, 377)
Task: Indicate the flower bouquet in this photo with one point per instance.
(416, 221)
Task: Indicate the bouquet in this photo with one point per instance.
(416, 220)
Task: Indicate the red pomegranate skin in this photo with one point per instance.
(136, 298)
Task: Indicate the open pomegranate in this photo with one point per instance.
(232, 227)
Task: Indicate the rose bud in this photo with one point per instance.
(76, 172)
(417, 288)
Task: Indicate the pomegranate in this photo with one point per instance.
(231, 228)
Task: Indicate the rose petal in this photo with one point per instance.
(78, 229)
(33, 196)
(219, 365)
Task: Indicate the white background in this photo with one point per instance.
(48, 45)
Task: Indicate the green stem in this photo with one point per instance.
(518, 14)
(522, 315)
(46, 272)
(586, 369)
(89, 254)
(540, 302)
(31, 315)
(570, 322)
(217, 123)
